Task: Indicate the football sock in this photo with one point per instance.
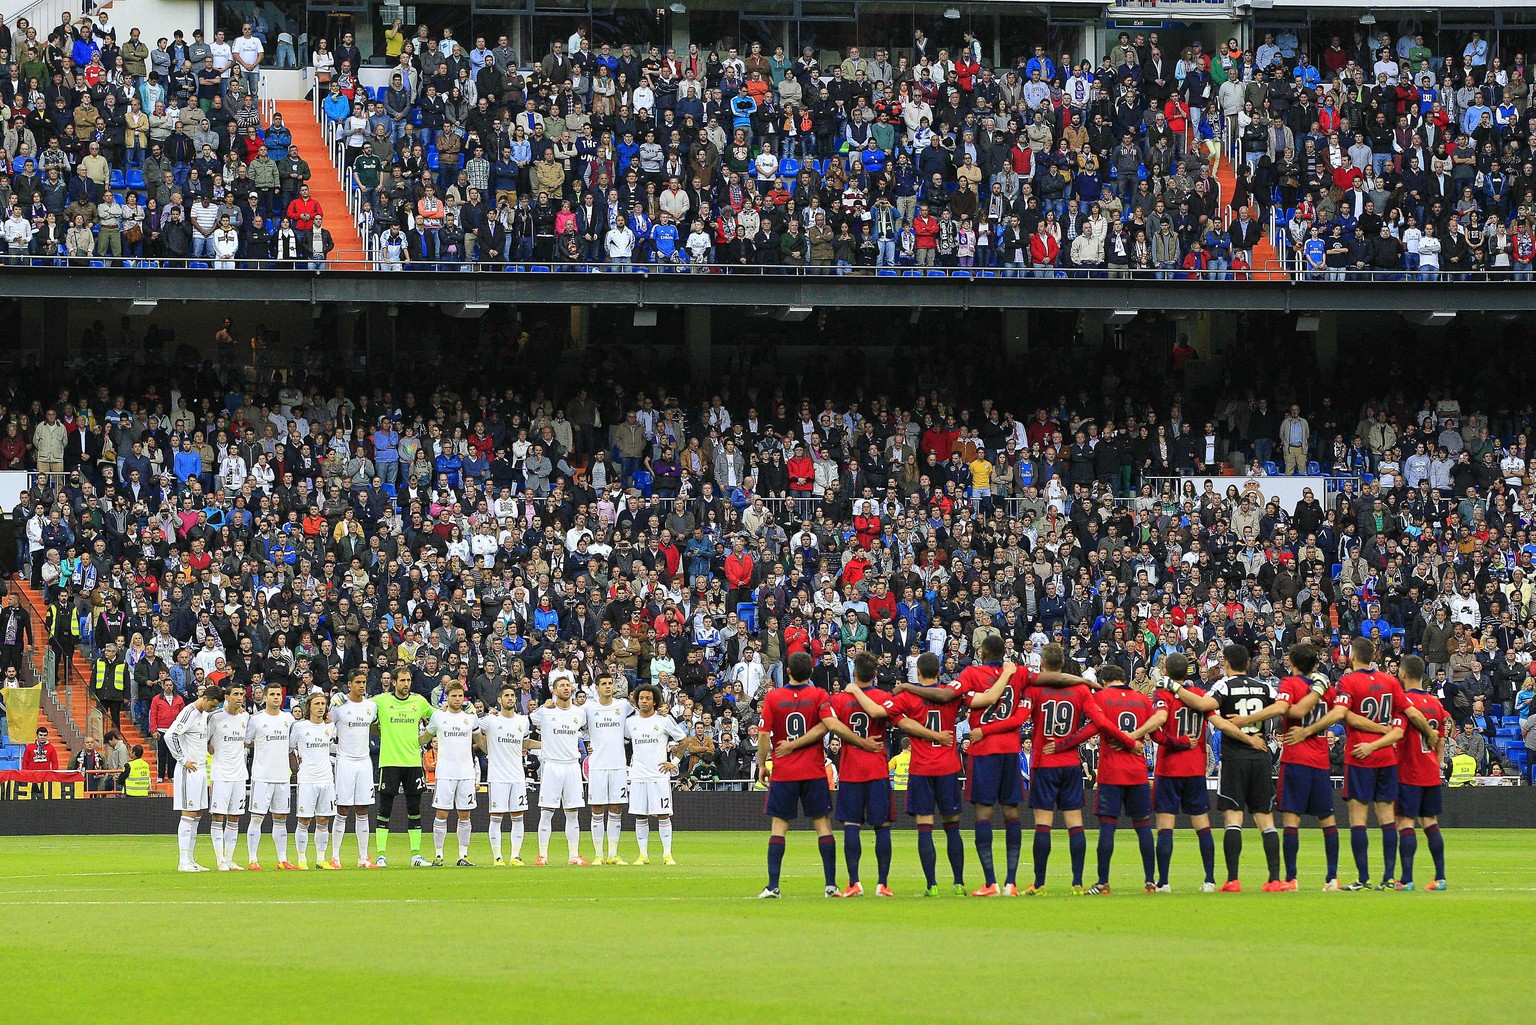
(360, 822)
(414, 835)
(1042, 853)
(465, 827)
(184, 841)
(1232, 849)
(216, 834)
(322, 837)
(984, 852)
(231, 838)
(1164, 855)
(599, 827)
(439, 835)
(1389, 851)
(883, 853)
(1271, 840)
(1106, 849)
(494, 834)
(955, 847)
(643, 836)
(280, 837)
(1077, 844)
(1015, 842)
(380, 829)
(1408, 846)
(615, 831)
(546, 829)
(1360, 845)
(853, 850)
(664, 827)
(1207, 852)
(828, 848)
(515, 841)
(302, 841)
(1290, 843)
(775, 860)
(1436, 848)
(1144, 842)
(1331, 850)
(253, 838)
(338, 836)
(573, 834)
(927, 856)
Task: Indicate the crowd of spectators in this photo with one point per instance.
(1374, 155)
(298, 529)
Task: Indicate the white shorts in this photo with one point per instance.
(454, 794)
(508, 798)
(189, 789)
(228, 798)
(608, 786)
(560, 786)
(317, 800)
(354, 782)
(274, 797)
(650, 797)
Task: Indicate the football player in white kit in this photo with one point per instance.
(354, 717)
(271, 776)
(226, 736)
(560, 728)
(187, 740)
(311, 741)
(654, 738)
(457, 774)
(505, 736)
(607, 775)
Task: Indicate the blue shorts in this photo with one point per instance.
(1370, 786)
(933, 795)
(1111, 800)
(868, 802)
(1305, 790)
(1414, 802)
(787, 798)
(1058, 789)
(995, 779)
(1173, 795)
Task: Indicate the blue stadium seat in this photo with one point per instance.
(1368, 478)
(936, 273)
(987, 274)
(432, 160)
(198, 265)
(789, 167)
(117, 180)
(746, 611)
(539, 268)
(1270, 468)
(389, 489)
(1336, 571)
(1313, 468)
(644, 481)
(135, 178)
(885, 272)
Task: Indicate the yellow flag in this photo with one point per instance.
(21, 710)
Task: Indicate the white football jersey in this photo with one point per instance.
(188, 736)
(605, 733)
(504, 736)
(650, 737)
(354, 722)
(559, 731)
(268, 736)
(455, 733)
(313, 742)
(226, 735)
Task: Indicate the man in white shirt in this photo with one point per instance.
(607, 778)
(226, 736)
(560, 725)
(267, 732)
(354, 717)
(222, 53)
(457, 777)
(248, 52)
(505, 737)
(187, 740)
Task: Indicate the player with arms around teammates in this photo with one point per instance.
(458, 777)
(506, 736)
(229, 773)
(311, 741)
(1122, 783)
(187, 740)
(791, 736)
(561, 725)
(654, 739)
(607, 772)
(355, 718)
(1179, 775)
(1419, 783)
(267, 733)
(864, 796)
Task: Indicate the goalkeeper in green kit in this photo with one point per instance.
(401, 714)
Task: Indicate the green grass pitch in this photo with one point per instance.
(103, 929)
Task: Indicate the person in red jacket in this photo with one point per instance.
(163, 710)
(738, 573)
(303, 211)
(866, 525)
(40, 755)
(1043, 248)
(925, 229)
(882, 603)
(802, 481)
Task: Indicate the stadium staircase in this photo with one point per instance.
(325, 183)
(74, 699)
(1266, 262)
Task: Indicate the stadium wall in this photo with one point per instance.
(1490, 808)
